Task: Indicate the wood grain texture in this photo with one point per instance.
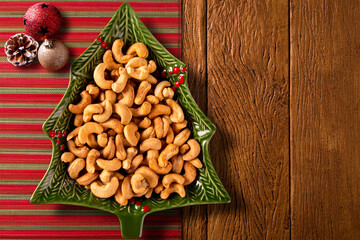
(194, 219)
(248, 88)
(325, 116)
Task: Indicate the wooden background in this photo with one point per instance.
(281, 81)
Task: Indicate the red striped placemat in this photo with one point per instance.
(28, 95)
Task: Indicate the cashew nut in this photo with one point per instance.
(175, 187)
(177, 127)
(135, 163)
(99, 77)
(158, 92)
(121, 81)
(130, 133)
(152, 99)
(159, 170)
(73, 133)
(87, 129)
(78, 120)
(75, 167)
(141, 111)
(109, 61)
(138, 183)
(119, 175)
(109, 165)
(85, 100)
(177, 114)
(145, 123)
(102, 139)
(104, 190)
(117, 52)
(194, 150)
(170, 136)
(137, 68)
(177, 163)
(87, 178)
(196, 162)
(67, 157)
(91, 141)
(128, 95)
(93, 91)
(159, 109)
(90, 110)
(91, 160)
(168, 152)
(105, 115)
(151, 177)
(114, 74)
(110, 96)
(119, 197)
(172, 178)
(150, 144)
(77, 142)
(124, 112)
(151, 79)
(105, 176)
(109, 151)
(126, 188)
(152, 154)
(184, 148)
(113, 123)
(168, 93)
(161, 126)
(158, 188)
(130, 154)
(182, 137)
(142, 91)
(149, 192)
(120, 150)
(147, 133)
(80, 152)
(152, 66)
(139, 49)
(111, 133)
(190, 173)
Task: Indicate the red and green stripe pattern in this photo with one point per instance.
(29, 94)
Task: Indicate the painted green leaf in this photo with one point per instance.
(57, 187)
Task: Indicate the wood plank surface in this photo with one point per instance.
(325, 117)
(194, 218)
(248, 100)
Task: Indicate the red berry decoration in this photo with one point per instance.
(64, 133)
(183, 69)
(138, 203)
(62, 147)
(99, 39)
(176, 70)
(181, 79)
(52, 133)
(173, 88)
(42, 20)
(146, 208)
(58, 141)
(170, 71)
(177, 84)
(58, 134)
(103, 44)
(163, 74)
(132, 200)
(108, 48)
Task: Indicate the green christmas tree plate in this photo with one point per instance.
(57, 187)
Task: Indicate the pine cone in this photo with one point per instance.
(21, 49)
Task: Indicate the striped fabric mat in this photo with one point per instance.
(27, 97)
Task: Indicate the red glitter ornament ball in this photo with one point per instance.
(42, 20)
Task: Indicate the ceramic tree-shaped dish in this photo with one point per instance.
(56, 185)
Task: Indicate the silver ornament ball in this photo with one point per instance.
(53, 54)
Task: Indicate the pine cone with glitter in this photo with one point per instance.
(21, 49)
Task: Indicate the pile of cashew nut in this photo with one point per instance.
(130, 137)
